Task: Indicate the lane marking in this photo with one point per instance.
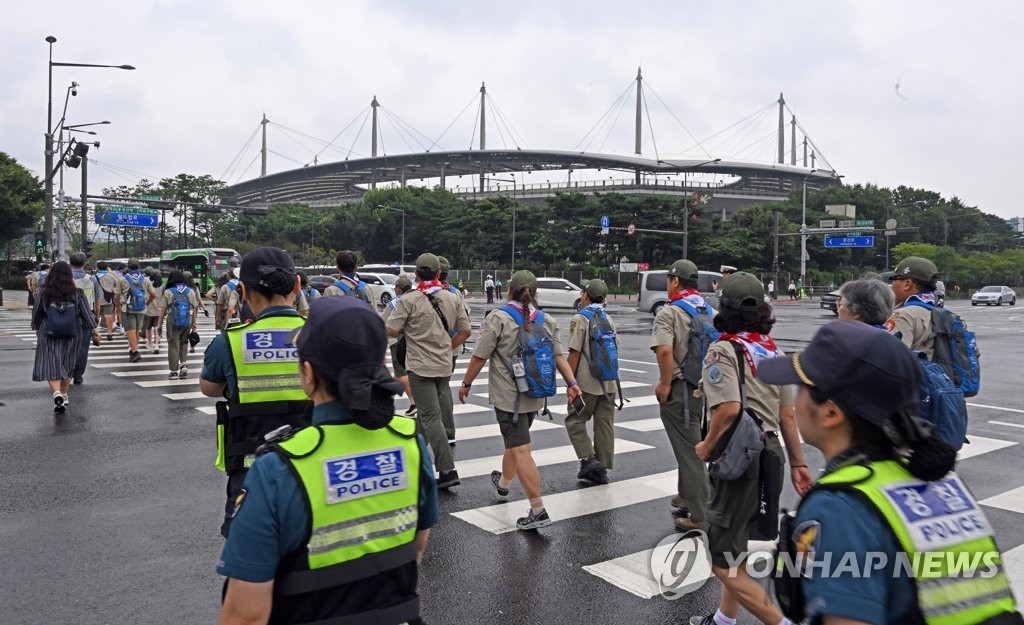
(542, 457)
(501, 518)
(981, 445)
(1009, 425)
(181, 396)
(1004, 409)
(1013, 564)
(1012, 500)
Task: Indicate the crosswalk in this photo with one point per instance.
(641, 485)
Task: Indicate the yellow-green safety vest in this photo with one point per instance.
(947, 539)
(362, 488)
(266, 368)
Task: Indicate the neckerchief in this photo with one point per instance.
(429, 288)
(519, 307)
(691, 297)
(756, 347)
(927, 297)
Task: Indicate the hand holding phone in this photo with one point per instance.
(578, 404)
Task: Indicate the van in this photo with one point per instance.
(397, 270)
(653, 285)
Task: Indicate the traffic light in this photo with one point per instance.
(40, 244)
(87, 248)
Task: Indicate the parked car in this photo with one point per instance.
(831, 301)
(557, 293)
(653, 285)
(322, 282)
(994, 295)
(383, 285)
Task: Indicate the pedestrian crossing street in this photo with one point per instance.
(639, 436)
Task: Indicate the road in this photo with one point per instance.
(110, 514)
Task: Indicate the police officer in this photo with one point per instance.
(252, 367)
(332, 522)
(434, 322)
(680, 406)
(402, 286)
(745, 321)
(898, 518)
(913, 283)
(596, 456)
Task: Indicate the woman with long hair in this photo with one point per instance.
(60, 315)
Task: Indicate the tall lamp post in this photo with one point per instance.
(803, 230)
(513, 181)
(398, 210)
(48, 150)
(686, 205)
(85, 205)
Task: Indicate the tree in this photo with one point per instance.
(21, 199)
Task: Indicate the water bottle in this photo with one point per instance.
(519, 371)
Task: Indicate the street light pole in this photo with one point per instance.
(803, 231)
(513, 181)
(686, 205)
(398, 210)
(48, 143)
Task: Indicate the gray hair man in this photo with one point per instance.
(870, 301)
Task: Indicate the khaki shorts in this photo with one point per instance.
(399, 369)
(133, 321)
(515, 435)
(106, 309)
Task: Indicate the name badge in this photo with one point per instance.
(262, 346)
(362, 475)
(938, 514)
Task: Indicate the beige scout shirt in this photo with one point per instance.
(914, 325)
(579, 340)
(109, 283)
(370, 292)
(153, 308)
(498, 341)
(167, 299)
(672, 327)
(720, 383)
(386, 314)
(147, 289)
(429, 347)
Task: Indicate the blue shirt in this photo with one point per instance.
(219, 367)
(848, 524)
(273, 521)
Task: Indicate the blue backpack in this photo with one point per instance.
(354, 291)
(136, 294)
(956, 348)
(702, 335)
(537, 351)
(941, 402)
(61, 320)
(181, 313)
(603, 361)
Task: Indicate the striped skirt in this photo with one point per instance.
(55, 358)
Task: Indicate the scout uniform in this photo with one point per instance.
(132, 319)
(177, 337)
(404, 284)
(108, 284)
(911, 322)
(449, 418)
(672, 327)
(352, 283)
(598, 396)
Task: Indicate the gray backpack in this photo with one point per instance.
(743, 442)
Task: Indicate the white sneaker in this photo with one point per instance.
(67, 400)
(183, 372)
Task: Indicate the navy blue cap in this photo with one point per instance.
(343, 334)
(865, 370)
(258, 264)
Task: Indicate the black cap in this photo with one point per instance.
(867, 371)
(341, 334)
(262, 261)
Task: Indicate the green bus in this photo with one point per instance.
(207, 265)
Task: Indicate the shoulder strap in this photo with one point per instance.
(588, 313)
(741, 360)
(343, 286)
(437, 309)
(917, 302)
(690, 310)
(513, 312)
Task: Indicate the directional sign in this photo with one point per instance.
(849, 241)
(605, 222)
(631, 229)
(848, 224)
(127, 216)
(827, 223)
(149, 196)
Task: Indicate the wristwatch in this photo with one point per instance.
(466, 384)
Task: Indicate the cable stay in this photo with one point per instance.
(817, 150)
(647, 85)
(502, 119)
(330, 144)
(435, 142)
(736, 138)
(611, 126)
(234, 162)
(650, 126)
(594, 129)
(731, 126)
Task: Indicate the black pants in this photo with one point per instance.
(235, 480)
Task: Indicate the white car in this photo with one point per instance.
(383, 285)
(557, 293)
(994, 295)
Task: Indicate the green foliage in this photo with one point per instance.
(21, 199)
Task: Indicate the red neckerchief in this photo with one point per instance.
(429, 287)
(756, 347)
(682, 294)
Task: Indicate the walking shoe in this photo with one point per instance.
(58, 403)
(78, 380)
(192, 349)
(703, 620)
(451, 442)
(684, 523)
(411, 410)
(67, 400)
(501, 494)
(183, 372)
(588, 465)
(134, 357)
(599, 476)
(110, 337)
(173, 375)
(532, 521)
(447, 479)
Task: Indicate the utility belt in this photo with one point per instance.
(241, 428)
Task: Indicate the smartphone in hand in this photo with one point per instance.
(578, 404)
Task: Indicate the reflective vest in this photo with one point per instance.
(269, 392)
(957, 568)
(362, 498)
(85, 282)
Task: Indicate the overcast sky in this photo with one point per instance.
(208, 69)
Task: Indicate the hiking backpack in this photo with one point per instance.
(702, 334)
(956, 348)
(536, 350)
(603, 361)
(181, 313)
(941, 402)
(354, 291)
(136, 294)
(61, 320)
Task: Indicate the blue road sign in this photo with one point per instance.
(113, 218)
(605, 222)
(862, 241)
